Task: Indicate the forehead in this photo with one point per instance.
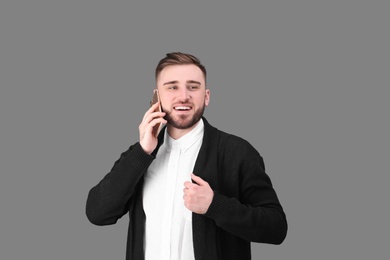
(180, 73)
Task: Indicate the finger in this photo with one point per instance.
(146, 126)
(154, 115)
(153, 119)
(198, 180)
(188, 184)
(156, 121)
(186, 190)
(152, 108)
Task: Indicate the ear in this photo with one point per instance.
(207, 98)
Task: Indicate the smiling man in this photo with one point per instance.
(193, 191)
(183, 96)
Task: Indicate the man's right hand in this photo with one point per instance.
(151, 118)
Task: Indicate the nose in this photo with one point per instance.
(184, 95)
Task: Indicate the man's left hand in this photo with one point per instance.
(197, 196)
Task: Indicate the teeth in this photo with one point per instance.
(182, 108)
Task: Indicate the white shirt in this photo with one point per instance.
(168, 227)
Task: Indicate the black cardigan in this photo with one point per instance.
(245, 206)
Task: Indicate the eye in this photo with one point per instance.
(193, 87)
(172, 87)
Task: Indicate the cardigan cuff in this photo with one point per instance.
(219, 207)
(139, 154)
(136, 158)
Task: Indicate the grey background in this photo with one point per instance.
(306, 82)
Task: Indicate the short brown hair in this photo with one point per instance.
(179, 58)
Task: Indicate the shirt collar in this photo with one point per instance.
(187, 140)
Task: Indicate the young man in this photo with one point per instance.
(192, 192)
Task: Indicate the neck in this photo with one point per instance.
(176, 133)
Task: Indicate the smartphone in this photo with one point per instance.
(155, 99)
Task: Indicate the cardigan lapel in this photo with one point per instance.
(204, 229)
(206, 163)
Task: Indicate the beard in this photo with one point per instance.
(184, 121)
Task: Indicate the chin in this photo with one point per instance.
(182, 123)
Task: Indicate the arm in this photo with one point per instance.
(109, 200)
(251, 209)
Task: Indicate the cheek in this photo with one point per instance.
(165, 103)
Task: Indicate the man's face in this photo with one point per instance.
(183, 95)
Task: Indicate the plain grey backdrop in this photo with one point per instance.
(306, 82)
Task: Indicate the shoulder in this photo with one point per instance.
(230, 143)
(233, 144)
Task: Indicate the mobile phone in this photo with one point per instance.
(155, 99)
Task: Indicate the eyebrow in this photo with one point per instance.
(193, 82)
(170, 82)
(175, 82)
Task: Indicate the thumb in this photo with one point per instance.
(198, 180)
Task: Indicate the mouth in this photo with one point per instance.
(182, 108)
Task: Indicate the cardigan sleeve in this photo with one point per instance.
(245, 202)
(109, 199)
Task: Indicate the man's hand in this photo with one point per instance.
(147, 141)
(197, 196)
